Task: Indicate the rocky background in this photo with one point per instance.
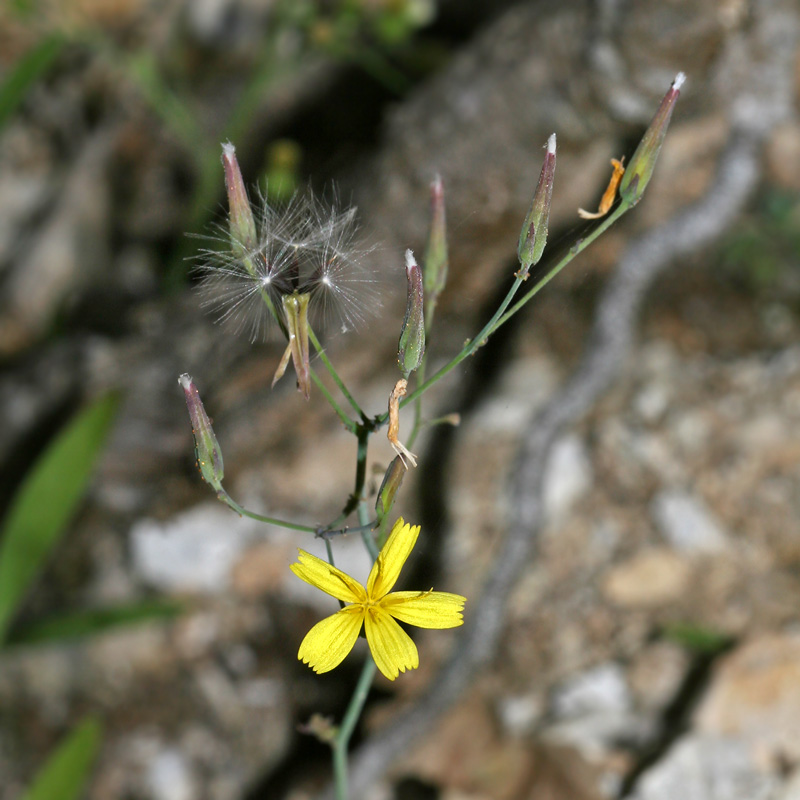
(648, 646)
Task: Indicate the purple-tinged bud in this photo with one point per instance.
(411, 347)
(436, 261)
(533, 236)
(241, 221)
(389, 488)
(640, 167)
(206, 448)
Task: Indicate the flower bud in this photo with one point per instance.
(389, 488)
(533, 236)
(241, 221)
(206, 448)
(435, 261)
(640, 168)
(411, 347)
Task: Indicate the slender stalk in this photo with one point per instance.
(333, 373)
(346, 421)
(418, 423)
(577, 248)
(468, 350)
(293, 526)
(363, 510)
(501, 316)
(348, 726)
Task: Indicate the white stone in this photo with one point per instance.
(169, 777)
(192, 552)
(567, 478)
(705, 768)
(602, 688)
(688, 524)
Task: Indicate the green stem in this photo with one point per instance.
(468, 350)
(501, 316)
(333, 373)
(418, 423)
(363, 510)
(577, 248)
(348, 726)
(231, 503)
(346, 421)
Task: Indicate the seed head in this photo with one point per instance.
(307, 246)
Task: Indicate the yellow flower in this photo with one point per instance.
(329, 641)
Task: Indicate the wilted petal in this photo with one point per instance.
(426, 609)
(329, 641)
(386, 569)
(391, 646)
(326, 577)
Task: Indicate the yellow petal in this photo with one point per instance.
(391, 558)
(391, 646)
(332, 581)
(426, 609)
(329, 641)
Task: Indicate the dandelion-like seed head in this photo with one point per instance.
(307, 246)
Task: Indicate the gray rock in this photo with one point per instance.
(568, 476)
(688, 524)
(706, 768)
(170, 777)
(602, 688)
(193, 552)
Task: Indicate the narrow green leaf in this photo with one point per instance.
(25, 73)
(697, 638)
(46, 501)
(93, 621)
(66, 772)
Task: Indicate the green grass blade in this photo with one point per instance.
(46, 501)
(25, 73)
(93, 621)
(64, 775)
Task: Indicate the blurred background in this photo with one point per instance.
(650, 649)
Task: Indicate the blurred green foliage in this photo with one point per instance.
(46, 502)
(761, 250)
(65, 774)
(697, 638)
(368, 34)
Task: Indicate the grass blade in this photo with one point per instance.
(47, 500)
(64, 775)
(25, 73)
(93, 621)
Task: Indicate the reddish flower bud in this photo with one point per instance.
(411, 347)
(533, 236)
(241, 220)
(206, 448)
(641, 166)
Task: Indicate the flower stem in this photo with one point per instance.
(468, 350)
(346, 421)
(231, 503)
(333, 373)
(348, 726)
(418, 423)
(577, 248)
(501, 316)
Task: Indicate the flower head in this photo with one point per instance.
(375, 607)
